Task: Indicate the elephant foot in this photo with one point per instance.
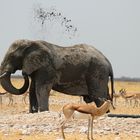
(33, 109)
(43, 109)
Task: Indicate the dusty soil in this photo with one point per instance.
(17, 124)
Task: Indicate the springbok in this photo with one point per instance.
(10, 97)
(131, 96)
(7, 95)
(1, 94)
(89, 108)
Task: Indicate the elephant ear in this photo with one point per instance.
(35, 57)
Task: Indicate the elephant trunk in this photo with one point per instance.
(5, 80)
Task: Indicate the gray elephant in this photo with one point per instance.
(78, 70)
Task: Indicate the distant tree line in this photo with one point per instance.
(123, 78)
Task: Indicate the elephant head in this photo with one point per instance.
(19, 57)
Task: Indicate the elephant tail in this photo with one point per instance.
(112, 84)
(112, 88)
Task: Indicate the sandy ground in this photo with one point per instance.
(17, 124)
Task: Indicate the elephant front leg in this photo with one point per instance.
(33, 99)
(43, 97)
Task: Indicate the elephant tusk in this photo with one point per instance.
(3, 75)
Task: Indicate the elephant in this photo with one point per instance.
(79, 70)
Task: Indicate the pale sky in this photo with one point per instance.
(112, 26)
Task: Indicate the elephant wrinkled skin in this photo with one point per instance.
(76, 70)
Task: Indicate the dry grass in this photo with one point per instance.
(121, 108)
(129, 86)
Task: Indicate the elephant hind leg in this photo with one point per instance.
(87, 98)
(97, 88)
(93, 89)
